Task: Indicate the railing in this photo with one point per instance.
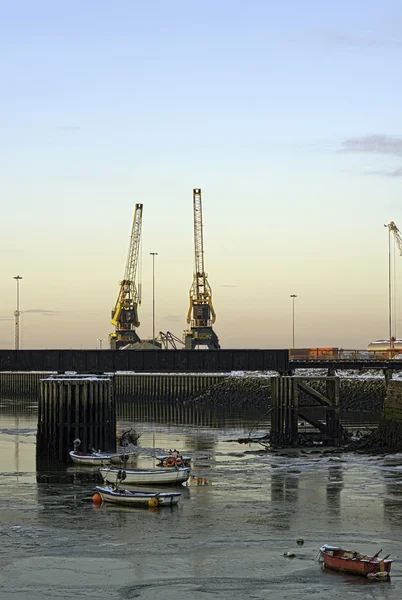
(343, 354)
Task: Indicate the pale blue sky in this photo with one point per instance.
(287, 115)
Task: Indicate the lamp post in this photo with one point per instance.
(153, 254)
(100, 343)
(293, 296)
(389, 291)
(17, 315)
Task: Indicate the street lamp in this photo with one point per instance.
(153, 254)
(100, 343)
(17, 315)
(293, 296)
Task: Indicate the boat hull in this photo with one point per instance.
(135, 498)
(176, 476)
(101, 458)
(97, 458)
(354, 563)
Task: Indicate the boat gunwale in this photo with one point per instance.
(371, 561)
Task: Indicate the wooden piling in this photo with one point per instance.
(72, 407)
(284, 413)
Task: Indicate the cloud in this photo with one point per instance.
(380, 144)
(42, 311)
(174, 318)
(228, 285)
(374, 144)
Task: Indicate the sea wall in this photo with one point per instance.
(388, 435)
(365, 394)
(127, 386)
(356, 394)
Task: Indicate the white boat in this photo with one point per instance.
(101, 458)
(92, 458)
(147, 477)
(136, 498)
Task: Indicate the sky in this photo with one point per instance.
(286, 115)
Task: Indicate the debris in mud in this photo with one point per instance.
(129, 437)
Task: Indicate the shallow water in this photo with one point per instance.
(225, 540)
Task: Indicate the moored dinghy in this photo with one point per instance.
(137, 498)
(337, 559)
(91, 458)
(147, 476)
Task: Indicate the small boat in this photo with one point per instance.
(91, 458)
(147, 477)
(136, 498)
(101, 458)
(355, 563)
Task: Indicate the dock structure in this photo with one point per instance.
(72, 407)
(286, 409)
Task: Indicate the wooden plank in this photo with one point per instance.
(314, 393)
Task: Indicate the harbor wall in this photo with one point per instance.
(388, 435)
(127, 386)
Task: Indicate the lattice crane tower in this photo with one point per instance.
(201, 314)
(125, 313)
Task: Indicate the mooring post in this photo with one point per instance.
(284, 413)
(333, 412)
(294, 417)
(275, 410)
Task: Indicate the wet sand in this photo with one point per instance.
(225, 540)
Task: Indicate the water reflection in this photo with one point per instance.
(334, 488)
(284, 486)
(392, 474)
(159, 412)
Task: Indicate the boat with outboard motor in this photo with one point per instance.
(137, 498)
(176, 476)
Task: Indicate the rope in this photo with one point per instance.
(260, 419)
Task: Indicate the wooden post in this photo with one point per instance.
(333, 412)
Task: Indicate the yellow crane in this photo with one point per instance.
(125, 313)
(201, 314)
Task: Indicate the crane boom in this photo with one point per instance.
(125, 313)
(397, 235)
(201, 314)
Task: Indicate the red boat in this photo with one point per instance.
(353, 562)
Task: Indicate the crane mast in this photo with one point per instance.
(201, 314)
(397, 235)
(392, 228)
(125, 313)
